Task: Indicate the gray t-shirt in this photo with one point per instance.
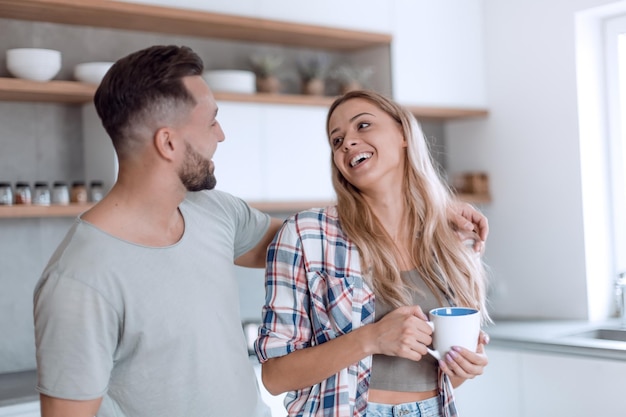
(393, 373)
(155, 331)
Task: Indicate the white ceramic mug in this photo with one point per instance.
(453, 326)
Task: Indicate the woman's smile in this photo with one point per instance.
(360, 158)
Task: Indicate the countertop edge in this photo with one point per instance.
(18, 388)
(558, 337)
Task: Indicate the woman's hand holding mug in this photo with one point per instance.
(453, 326)
(458, 341)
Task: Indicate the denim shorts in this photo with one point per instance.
(427, 408)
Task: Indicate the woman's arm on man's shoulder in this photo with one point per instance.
(255, 257)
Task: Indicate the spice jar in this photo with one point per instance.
(41, 194)
(78, 193)
(6, 194)
(60, 193)
(22, 193)
(96, 192)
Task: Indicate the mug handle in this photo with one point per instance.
(432, 352)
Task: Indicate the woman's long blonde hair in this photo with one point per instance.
(446, 264)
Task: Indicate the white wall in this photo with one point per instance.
(530, 147)
(437, 53)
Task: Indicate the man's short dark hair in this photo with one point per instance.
(141, 82)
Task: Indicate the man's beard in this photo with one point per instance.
(196, 173)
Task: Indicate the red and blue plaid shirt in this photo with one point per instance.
(315, 292)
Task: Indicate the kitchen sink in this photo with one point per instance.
(616, 335)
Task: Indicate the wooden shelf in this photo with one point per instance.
(447, 113)
(291, 99)
(294, 206)
(15, 89)
(30, 211)
(73, 92)
(475, 198)
(120, 15)
(288, 206)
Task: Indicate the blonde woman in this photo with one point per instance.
(347, 286)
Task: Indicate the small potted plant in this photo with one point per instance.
(265, 66)
(313, 73)
(352, 77)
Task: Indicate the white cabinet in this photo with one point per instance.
(437, 55)
(271, 153)
(240, 160)
(298, 154)
(533, 384)
(496, 392)
(274, 152)
(556, 385)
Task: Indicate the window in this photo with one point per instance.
(615, 64)
(601, 85)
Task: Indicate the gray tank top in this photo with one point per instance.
(392, 373)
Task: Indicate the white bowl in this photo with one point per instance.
(232, 81)
(91, 72)
(33, 63)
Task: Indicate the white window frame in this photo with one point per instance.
(592, 51)
(615, 66)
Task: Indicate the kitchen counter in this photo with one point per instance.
(557, 336)
(18, 387)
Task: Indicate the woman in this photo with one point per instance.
(348, 286)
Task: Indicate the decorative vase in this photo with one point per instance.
(350, 86)
(314, 87)
(270, 84)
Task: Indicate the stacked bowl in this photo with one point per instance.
(91, 72)
(35, 64)
(230, 81)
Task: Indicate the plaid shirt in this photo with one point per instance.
(315, 292)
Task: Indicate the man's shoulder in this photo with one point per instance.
(210, 196)
(214, 202)
(80, 256)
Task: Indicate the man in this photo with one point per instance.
(137, 312)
